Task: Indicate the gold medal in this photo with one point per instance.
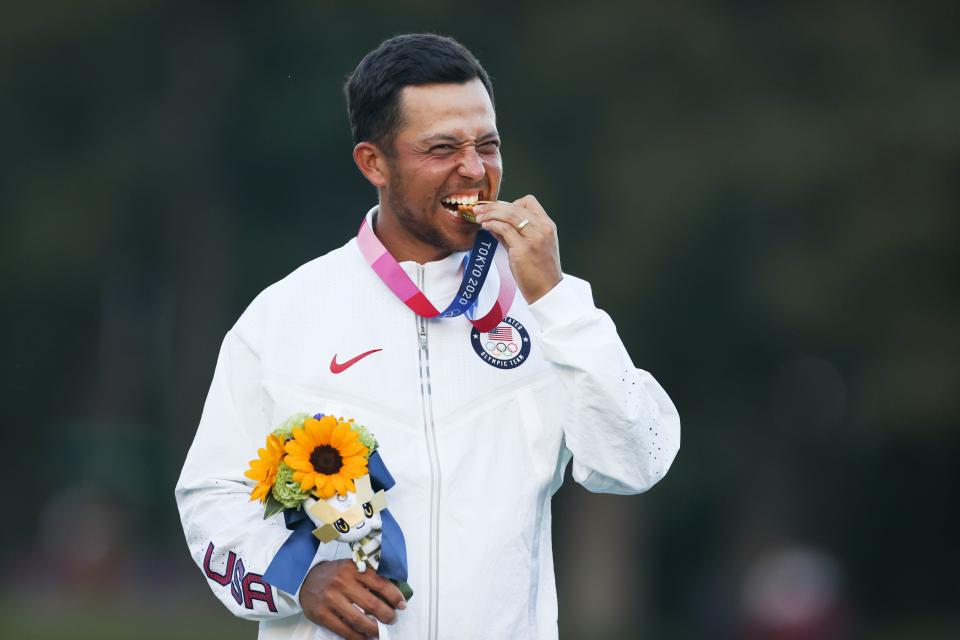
(466, 210)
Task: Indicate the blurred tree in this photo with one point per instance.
(764, 197)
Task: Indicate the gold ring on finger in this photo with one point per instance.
(522, 224)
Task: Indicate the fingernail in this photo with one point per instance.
(479, 208)
(402, 605)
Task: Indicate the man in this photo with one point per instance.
(476, 423)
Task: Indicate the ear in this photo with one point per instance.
(379, 501)
(363, 490)
(372, 163)
(326, 533)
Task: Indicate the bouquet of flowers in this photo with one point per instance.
(308, 456)
(324, 471)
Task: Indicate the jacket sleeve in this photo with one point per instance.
(621, 427)
(227, 535)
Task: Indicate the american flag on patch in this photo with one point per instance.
(502, 333)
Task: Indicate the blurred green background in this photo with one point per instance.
(765, 197)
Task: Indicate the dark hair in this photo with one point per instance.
(373, 89)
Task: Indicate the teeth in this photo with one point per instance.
(461, 199)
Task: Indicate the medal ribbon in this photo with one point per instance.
(474, 275)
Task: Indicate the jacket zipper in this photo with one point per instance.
(434, 456)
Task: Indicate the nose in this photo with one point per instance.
(471, 166)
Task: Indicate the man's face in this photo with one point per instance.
(447, 148)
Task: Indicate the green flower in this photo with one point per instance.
(366, 438)
(287, 490)
(285, 431)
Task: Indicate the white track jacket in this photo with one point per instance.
(477, 445)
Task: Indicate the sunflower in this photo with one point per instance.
(326, 455)
(264, 470)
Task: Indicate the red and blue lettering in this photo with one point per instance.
(250, 594)
(222, 579)
(241, 582)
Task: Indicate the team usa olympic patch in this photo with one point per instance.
(505, 347)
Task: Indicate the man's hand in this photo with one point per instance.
(533, 249)
(331, 589)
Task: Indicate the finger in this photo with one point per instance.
(532, 206)
(334, 623)
(505, 233)
(511, 214)
(374, 605)
(496, 206)
(355, 617)
(526, 207)
(530, 203)
(523, 222)
(383, 589)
